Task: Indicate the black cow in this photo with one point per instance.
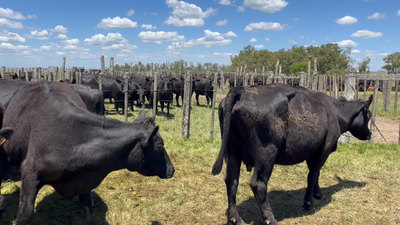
(281, 124)
(164, 93)
(203, 86)
(59, 143)
(178, 88)
(144, 83)
(136, 93)
(92, 98)
(112, 86)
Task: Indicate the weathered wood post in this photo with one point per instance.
(374, 103)
(101, 82)
(3, 71)
(309, 65)
(102, 64)
(277, 67)
(237, 73)
(335, 88)
(387, 94)
(187, 97)
(365, 89)
(126, 96)
(320, 83)
(63, 69)
(35, 74)
(315, 66)
(302, 79)
(245, 80)
(19, 73)
(263, 76)
(155, 95)
(213, 104)
(252, 79)
(349, 91)
(222, 83)
(395, 95)
(314, 82)
(112, 66)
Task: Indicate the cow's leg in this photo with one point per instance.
(314, 164)
(197, 99)
(168, 103)
(177, 100)
(259, 186)
(116, 105)
(30, 186)
(87, 204)
(232, 182)
(1, 198)
(162, 107)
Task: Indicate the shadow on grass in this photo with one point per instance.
(54, 209)
(288, 204)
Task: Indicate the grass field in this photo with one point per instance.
(361, 184)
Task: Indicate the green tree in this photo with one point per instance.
(392, 63)
(363, 66)
(299, 67)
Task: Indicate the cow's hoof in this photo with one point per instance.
(235, 221)
(318, 196)
(308, 206)
(2, 211)
(269, 222)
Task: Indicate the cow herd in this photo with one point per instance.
(55, 133)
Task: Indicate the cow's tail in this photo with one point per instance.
(231, 99)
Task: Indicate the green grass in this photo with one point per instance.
(367, 192)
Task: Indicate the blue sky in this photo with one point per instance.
(36, 34)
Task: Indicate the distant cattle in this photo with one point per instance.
(280, 124)
(164, 93)
(144, 82)
(112, 86)
(178, 85)
(203, 86)
(56, 141)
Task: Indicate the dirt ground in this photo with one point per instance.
(389, 129)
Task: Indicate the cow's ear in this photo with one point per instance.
(147, 139)
(369, 101)
(147, 79)
(142, 115)
(5, 134)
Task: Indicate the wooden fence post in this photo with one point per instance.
(35, 74)
(350, 84)
(111, 69)
(222, 83)
(62, 77)
(102, 64)
(309, 65)
(315, 82)
(335, 87)
(365, 89)
(277, 67)
(187, 96)
(3, 71)
(213, 104)
(374, 103)
(395, 96)
(387, 94)
(126, 96)
(155, 95)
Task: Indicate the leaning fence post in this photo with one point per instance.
(374, 102)
(213, 104)
(349, 93)
(187, 96)
(126, 96)
(155, 95)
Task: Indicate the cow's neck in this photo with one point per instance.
(109, 145)
(346, 111)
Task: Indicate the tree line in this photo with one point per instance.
(331, 59)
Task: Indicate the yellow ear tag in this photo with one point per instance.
(2, 142)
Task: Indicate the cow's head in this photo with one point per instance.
(359, 126)
(150, 158)
(141, 93)
(166, 84)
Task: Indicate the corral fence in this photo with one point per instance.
(350, 86)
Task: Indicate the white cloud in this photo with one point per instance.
(50, 47)
(267, 6)
(355, 51)
(71, 42)
(387, 41)
(211, 39)
(302, 37)
(116, 22)
(253, 40)
(241, 9)
(148, 27)
(6, 36)
(230, 34)
(225, 2)
(40, 35)
(9, 48)
(60, 29)
(263, 26)
(398, 13)
(291, 41)
(258, 46)
(158, 37)
(366, 34)
(221, 23)
(130, 12)
(186, 14)
(314, 42)
(223, 54)
(267, 39)
(62, 36)
(347, 43)
(296, 19)
(347, 20)
(60, 53)
(10, 24)
(31, 17)
(99, 40)
(120, 46)
(377, 16)
(10, 14)
(327, 38)
(153, 14)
